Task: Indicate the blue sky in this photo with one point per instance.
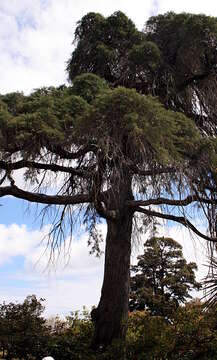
(35, 43)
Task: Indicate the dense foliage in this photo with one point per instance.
(163, 279)
(174, 58)
(191, 334)
(22, 329)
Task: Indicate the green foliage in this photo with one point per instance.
(163, 278)
(187, 42)
(174, 58)
(13, 101)
(22, 329)
(88, 86)
(45, 118)
(135, 122)
(148, 337)
(103, 45)
(191, 334)
(194, 332)
(145, 55)
(187, 75)
(72, 340)
(114, 119)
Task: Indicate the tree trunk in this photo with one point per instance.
(110, 317)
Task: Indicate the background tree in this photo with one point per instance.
(118, 152)
(22, 329)
(163, 279)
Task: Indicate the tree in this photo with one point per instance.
(120, 152)
(22, 329)
(162, 279)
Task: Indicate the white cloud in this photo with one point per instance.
(36, 38)
(16, 240)
(207, 7)
(74, 258)
(71, 259)
(68, 284)
(61, 296)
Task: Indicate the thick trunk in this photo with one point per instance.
(110, 317)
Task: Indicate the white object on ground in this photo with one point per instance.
(48, 358)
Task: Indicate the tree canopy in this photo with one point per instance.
(135, 130)
(95, 135)
(163, 279)
(174, 58)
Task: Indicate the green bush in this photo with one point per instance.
(190, 334)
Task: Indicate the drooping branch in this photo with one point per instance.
(43, 198)
(8, 166)
(174, 202)
(180, 219)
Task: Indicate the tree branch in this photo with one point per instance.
(44, 199)
(58, 150)
(164, 201)
(150, 172)
(180, 219)
(31, 164)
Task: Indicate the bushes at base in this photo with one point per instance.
(148, 337)
(22, 329)
(190, 334)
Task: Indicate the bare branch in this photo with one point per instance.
(8, 166)
(174, 202)
(180, 219)
(44, 199)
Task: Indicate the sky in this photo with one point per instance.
(35, 43)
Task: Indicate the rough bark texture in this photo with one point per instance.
(110, 317)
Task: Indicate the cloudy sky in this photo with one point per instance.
(35, 43)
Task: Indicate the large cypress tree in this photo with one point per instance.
(121, 150)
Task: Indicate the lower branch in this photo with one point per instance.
(9, 166)
(173, 202)
(42, 198)
(180, 219)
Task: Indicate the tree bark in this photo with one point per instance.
(110, 317)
